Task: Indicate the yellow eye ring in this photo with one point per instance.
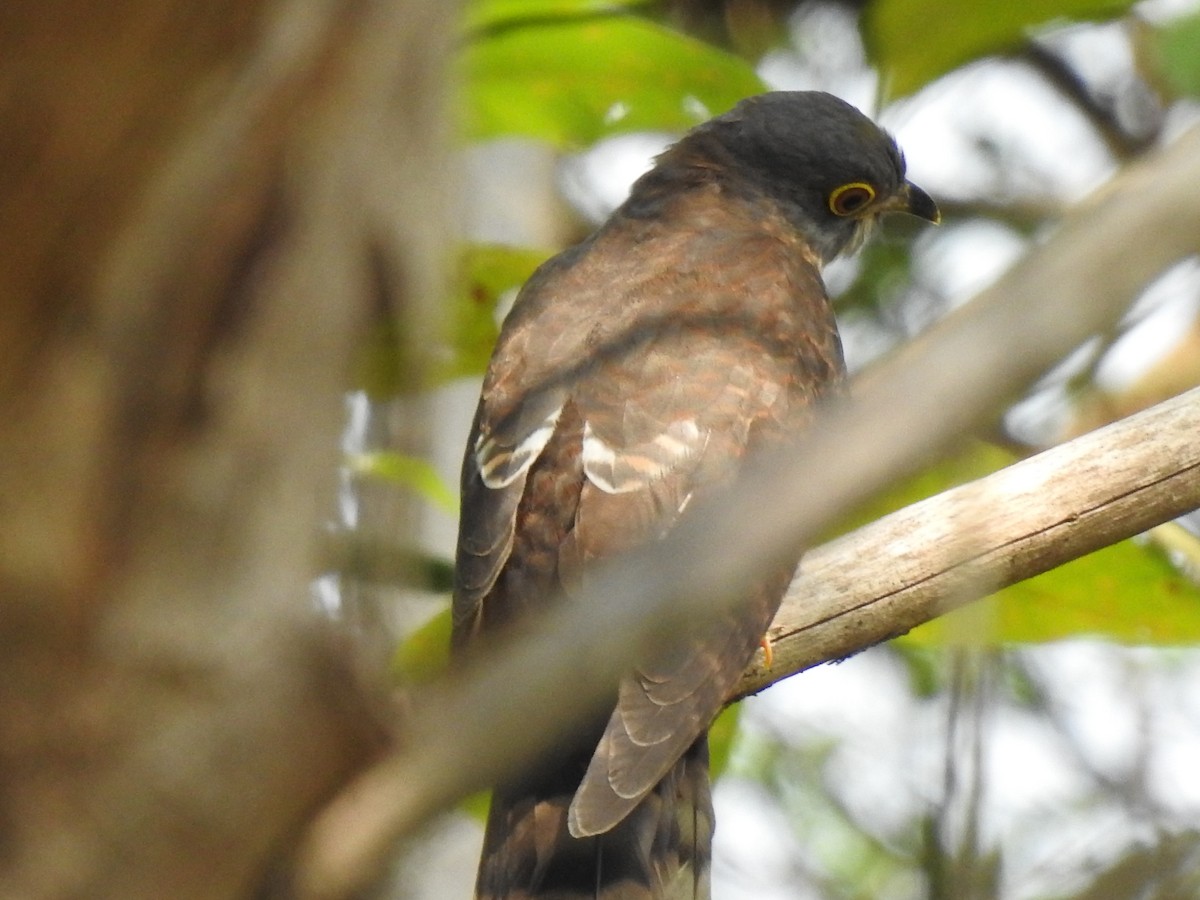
(851, 198)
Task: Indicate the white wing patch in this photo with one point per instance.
(500, 466)
(626, 469)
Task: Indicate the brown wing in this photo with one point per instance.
(618, 394)
(675, 439)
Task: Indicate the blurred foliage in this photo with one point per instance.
(846, 857)
(721, 736)
(489, 274)
(1166, 869)
(1128, 592)
(571, 72)
(915, 41)
(883, 273)
(485, 15)
(408, 473)
(379, 369)
(425, 652)
(1178, 56)
(486, 275)
(851, 844)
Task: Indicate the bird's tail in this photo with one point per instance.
(660, 851)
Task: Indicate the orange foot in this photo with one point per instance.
(768, 653)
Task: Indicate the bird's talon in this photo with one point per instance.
(768, 653)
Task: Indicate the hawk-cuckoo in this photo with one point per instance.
(634, 374)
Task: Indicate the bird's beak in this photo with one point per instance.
(911, 199)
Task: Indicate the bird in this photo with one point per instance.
(635, 373)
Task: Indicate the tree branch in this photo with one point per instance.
(934, 556)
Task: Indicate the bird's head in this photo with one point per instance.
(832, 170)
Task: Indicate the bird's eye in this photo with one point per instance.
(850, 198)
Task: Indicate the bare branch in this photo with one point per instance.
(941, 553)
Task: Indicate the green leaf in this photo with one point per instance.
(925, 666)
(425, 652)
(1128, 592)
(488, 273)
(1178, 53)
(407, 472)
(492, 14)
(477, 805)
(721, 736)
(884, 266)
(915, 41)
(350, 555)
(379, 367)
(569, 74)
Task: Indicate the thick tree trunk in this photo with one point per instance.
(203, 208)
